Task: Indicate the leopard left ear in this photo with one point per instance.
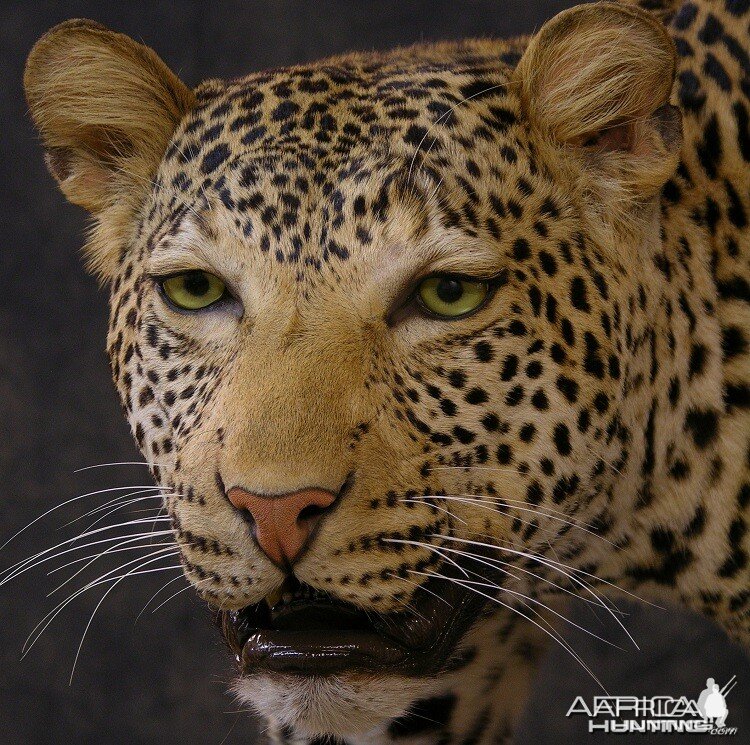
(596, 80)
(106, 108)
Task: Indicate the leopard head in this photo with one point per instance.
(375, 324)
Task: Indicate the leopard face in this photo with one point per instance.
(327, 201)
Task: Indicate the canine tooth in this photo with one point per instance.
(273, 597)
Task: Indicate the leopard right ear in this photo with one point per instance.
(596, 80)
(105, 107)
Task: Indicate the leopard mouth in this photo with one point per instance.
(304, 631)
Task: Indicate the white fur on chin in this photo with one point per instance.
(346, 706)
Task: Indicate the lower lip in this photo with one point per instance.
(410, 644)
(320, 652)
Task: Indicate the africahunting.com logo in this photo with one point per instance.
(706, 714)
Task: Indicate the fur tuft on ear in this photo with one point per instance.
(106, 108)
(598, 78)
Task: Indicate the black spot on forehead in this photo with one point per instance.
(328, 110)
(310, 161)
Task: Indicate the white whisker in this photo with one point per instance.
(500, 565)
(553, 565)
(436, 506)
(96, 557)
(511, 502)
(443, 116)
(158, 592)
(488, 504)
(601, 458)
(491, 585)
(116, 463)
(122, 506)
(112, 550)
(139, 569)
(552, 634)
(175, 594)
(112, 502)
(47, 620)
(420, 586)
(69, 501)
(558, 564)
(29, 563)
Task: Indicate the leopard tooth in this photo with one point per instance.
(273, 597)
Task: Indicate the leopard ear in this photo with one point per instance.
(106, 108)
(597, 80)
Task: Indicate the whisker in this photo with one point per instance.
(408, 608)
(498, 469)
(175, 594)
(443, 116)
(498, 563)
(122, 506)
(160, 513)
(420, 586)
(601, 458)
(47, 620)
(29, 563)
(159, 591)
(96, 557)
(139, 568)
(554, 565)
(171, 192)
(112, 550)
(116, 463)
(501, 566)
(552, 634)
(490, 498)
(111, 502)
(485, 504)
(189, 586)
(436, 506)
(580, 582)
(535, 601)
(557, 564)
(422, 500)
(69, 501)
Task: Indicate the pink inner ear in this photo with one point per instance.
(58, 162)
(620, 138)
(616, 138)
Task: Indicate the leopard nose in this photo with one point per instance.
(283, 524)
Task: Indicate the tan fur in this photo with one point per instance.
(106, 107)
(592, 410)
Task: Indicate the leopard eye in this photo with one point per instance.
(452, 297)
(193, 290)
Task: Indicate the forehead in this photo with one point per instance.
(292, 153)
(324, 114)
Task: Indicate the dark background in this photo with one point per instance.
(163, 678)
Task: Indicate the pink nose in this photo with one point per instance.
(284, 523)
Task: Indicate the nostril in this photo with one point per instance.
(310, 512)
(246, 515)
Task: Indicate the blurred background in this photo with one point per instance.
(161, 676)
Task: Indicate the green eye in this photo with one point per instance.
(451, 297)
(193, 290)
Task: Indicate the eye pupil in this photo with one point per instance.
(449, 290)
(196, 283)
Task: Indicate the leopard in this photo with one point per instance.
(424, 345)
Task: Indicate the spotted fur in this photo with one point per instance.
(596, 412)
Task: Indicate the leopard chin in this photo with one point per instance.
(321, 667)
(345, 706)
